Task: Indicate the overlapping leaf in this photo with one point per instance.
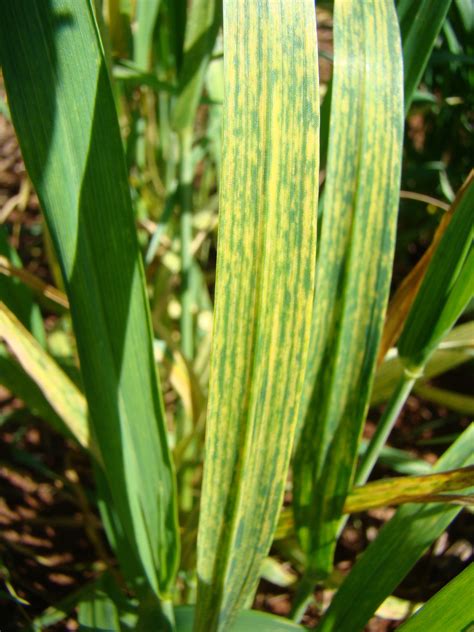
(354, 266)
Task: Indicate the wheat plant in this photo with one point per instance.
(219, 107)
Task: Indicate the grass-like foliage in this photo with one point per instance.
(144, 125)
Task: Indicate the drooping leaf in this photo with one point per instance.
(264, 292)
(63, 111)
(459, 402)
(397, 491)
(354, 266)
(62, 395)
(33, 283)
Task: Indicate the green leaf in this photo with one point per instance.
(455, 349)
(354, 266)
(202, 27)
(445, 291)
(458, 402)
(452, 608)
(16, 296)
(402, 300)
(147, 13)
(466, 12)
(248, 620)
(63, 111)
(398, 546)
(264, 293)
(420, 24)
(104, 609)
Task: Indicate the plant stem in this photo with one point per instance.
(167, 612)
(384, 428)
(185, 183)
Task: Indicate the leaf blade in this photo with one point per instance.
(264, 291)
(63, 110)
(359, 217)
(452, 607)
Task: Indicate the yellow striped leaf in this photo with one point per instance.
(354, 265)
(397, 491)
(264, 293)
(62, 395)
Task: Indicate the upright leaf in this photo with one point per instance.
(406, 292)
(264, 293)
(420, 24)
(354, 266)
(202, 26)
(446, 289)
(63, 110)
(147, 13)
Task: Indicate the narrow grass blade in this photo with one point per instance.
(117, 18)
(456, 349)
(15, 294)
(458, 402)
(63, 110)
(466, 13)
(264, 293)
(404, 539)
(14, 378)
(354, 266)
(203, 23)
(147, 14)
(43, 289)
(403, 298)
(64, 398)
(97, 612)
(420, 24)
(246, 621)
(452, 608)
(398, 491)
(446, 289)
